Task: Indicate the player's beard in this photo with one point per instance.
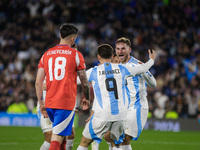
(125, 59)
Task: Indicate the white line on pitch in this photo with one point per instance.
(170, 143)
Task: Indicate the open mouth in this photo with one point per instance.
(121, 56)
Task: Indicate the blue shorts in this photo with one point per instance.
(62, 121)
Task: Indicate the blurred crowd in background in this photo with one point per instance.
(29, 27)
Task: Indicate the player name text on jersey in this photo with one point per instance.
(116, 71)
(68, 52)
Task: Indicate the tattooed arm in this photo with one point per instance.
(84, 84)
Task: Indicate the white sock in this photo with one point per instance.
(95, 146)
(109, 145)
(82, 148)
(126, 147)
(117, 148)
(69, 144)
(45, 146)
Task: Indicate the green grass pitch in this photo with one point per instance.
(30, 138)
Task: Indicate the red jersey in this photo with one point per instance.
(61, 64)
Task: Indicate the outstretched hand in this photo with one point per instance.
(88, 119)
(152, 54)
(85, 104)
(43, 111)
(76, 111)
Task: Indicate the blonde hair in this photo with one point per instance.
(124, 40)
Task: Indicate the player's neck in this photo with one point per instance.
(64, 42)
(105, 60)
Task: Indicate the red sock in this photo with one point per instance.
(55, 145)
(63, 145)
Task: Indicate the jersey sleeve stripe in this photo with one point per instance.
(42, 59)
(77, 59)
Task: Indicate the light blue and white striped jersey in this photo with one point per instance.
(137, 88)
(108, 81)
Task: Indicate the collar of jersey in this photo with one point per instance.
(62, 45)
(130, 61)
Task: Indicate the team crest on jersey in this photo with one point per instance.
(107, 64)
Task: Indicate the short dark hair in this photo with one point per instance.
(105, 51)
(67, 29)
(114, 55)
(124, 40)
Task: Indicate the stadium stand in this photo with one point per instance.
(169, 27)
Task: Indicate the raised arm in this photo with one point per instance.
(144, 67)
(152, 55)
(85, 87)
(149, 79)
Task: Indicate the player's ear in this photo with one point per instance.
(112, 57)
(129, 49)
(99, 57)
(72, 38)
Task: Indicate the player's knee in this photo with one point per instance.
(85, 142)
(107, 137)
(47, 136)
(127, 140)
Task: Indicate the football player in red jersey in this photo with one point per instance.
(60, 65)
